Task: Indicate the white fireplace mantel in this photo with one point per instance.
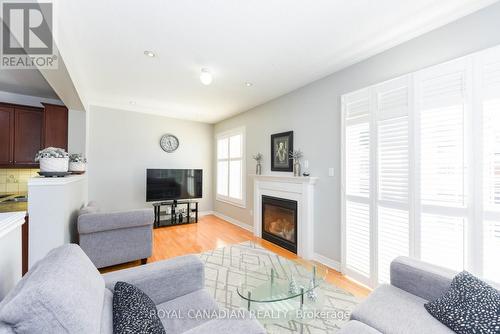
(300, 189)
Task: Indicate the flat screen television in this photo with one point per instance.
(173, 184)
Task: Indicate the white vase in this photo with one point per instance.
(54, 164)
(77, 166)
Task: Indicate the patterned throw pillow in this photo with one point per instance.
(468, 306)
(134, 311)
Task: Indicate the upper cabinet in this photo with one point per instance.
(25, 130)
(28, 139)
(55, 126)
(6, 135)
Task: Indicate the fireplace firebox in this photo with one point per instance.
(279, 222)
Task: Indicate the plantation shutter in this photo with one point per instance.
(441, 163)
(392, 101)
(230, 166)
(356, 108)
(489, 67)
(421, 170)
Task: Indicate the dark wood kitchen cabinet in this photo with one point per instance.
(55, 126)
(25, 130)
(28, 135)
(6, 135)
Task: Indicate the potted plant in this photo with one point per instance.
(77, 163)
(258, 158)
(53, 159)
(296, 155)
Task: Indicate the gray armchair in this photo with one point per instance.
(115, 237)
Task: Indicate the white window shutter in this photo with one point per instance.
(392, 100)
(230, 167)
(490, 88)
(421, 170)
(441, 106)
(356, 109)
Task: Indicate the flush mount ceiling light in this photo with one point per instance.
(206, 77)
(248, 84)
(149, 53)
(132, 103)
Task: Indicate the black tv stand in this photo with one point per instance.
(175, 212)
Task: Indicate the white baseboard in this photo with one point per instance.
(233, 221)
(205, 213)
(327, 261)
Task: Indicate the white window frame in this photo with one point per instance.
(227, 199)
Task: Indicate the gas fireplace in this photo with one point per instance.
(279, 222)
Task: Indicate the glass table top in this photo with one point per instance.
(287, 280)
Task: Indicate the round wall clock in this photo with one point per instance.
(169, 143)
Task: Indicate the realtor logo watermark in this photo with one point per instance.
(27, 39)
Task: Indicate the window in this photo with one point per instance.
(230, 167)
(421, 170)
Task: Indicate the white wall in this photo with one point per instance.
(123, 144)
(313, 113)
(76, 131)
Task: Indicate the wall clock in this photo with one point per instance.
(169, 143)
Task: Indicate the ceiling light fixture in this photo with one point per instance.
(149, 53)
(248, 84)
(132, 103)
(206, 77)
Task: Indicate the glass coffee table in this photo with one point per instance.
(288, 290)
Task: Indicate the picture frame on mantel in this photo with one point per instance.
(281, 146)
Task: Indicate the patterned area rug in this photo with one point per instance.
(225, 268)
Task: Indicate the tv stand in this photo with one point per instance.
(175, 212)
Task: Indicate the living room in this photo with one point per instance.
(265, 167)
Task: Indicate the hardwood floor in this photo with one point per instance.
(212, 232)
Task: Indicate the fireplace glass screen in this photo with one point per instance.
(279, 221)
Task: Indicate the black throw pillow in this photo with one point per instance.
(468, 306)
(134, 311)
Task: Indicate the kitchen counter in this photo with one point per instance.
(9, 221)
(11, 253)
(9, 206)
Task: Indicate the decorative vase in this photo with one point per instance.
(54, 164)
(258, 169)
(296, 168)
(77, 166)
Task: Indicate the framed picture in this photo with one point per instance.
(281, 145)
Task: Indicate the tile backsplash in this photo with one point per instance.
(15, 181)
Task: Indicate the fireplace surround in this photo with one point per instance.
(298, 189)
(279, 222)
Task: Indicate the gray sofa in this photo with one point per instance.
(64, 293)
(110, 238)
(398, 308)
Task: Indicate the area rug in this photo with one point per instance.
(225, 267)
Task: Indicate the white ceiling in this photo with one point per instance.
(278, 45)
